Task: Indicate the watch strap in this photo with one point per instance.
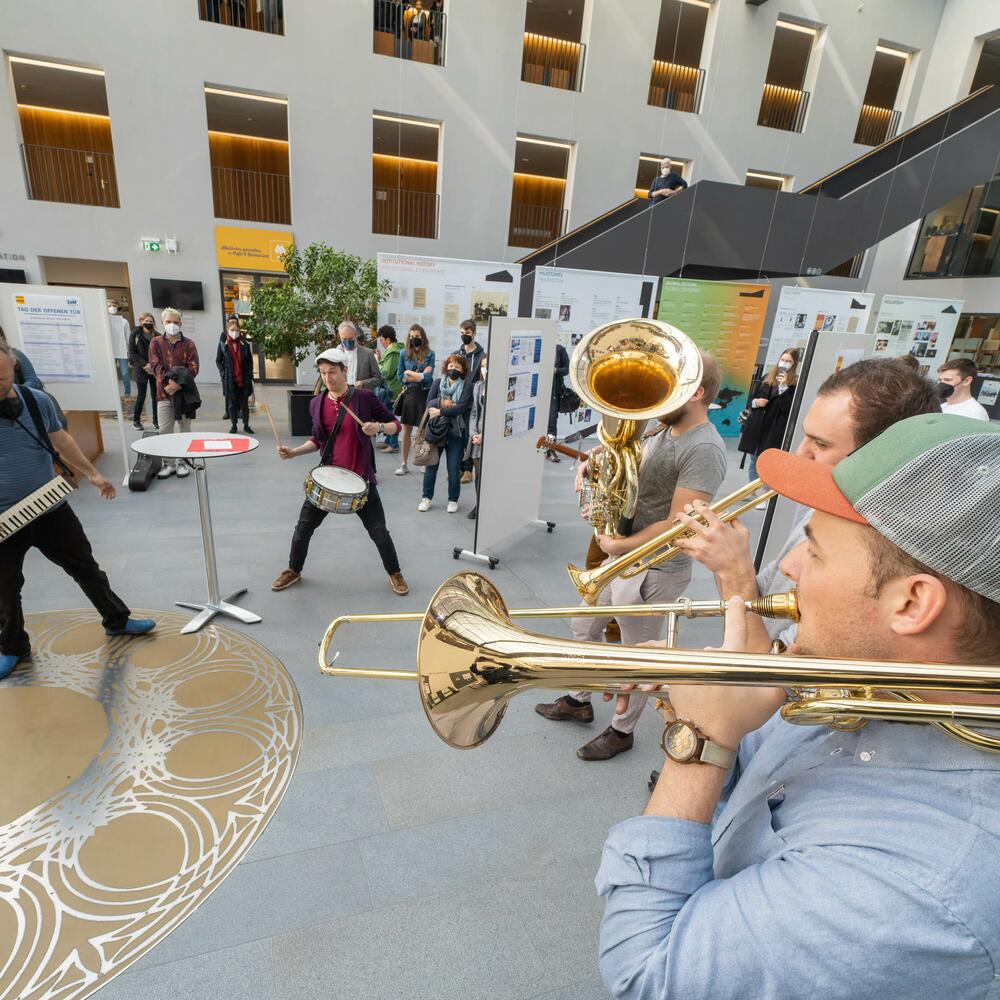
(717, 754)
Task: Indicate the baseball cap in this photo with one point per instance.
(930, 484)
(335, 355)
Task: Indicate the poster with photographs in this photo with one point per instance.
(918, 326)
(802, 310)
(439, 293)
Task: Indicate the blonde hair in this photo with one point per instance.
(147, 315)
(170, 311)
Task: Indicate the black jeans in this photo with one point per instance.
(238, 405)
(372, 517)
(59, 537)
(144, 382)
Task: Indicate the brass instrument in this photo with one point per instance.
(471, 660)
(590, 582)
(629, 371)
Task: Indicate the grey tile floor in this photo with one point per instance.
(395, 867)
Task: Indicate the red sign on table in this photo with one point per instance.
(218, 446)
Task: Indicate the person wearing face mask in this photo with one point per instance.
(448, 403)
(474, 448)
(667, 183)
(142, 370)
(472, 351)
(955, 389)
(416, 369)
(770, 405)
(388, 364)
(120, 334)
(362, 366)
(234, 359)
(684, 462)
(171, 350)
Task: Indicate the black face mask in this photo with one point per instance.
(466, 338)
(147, 326)
(945, 391)
(11, 407)
(416, 342)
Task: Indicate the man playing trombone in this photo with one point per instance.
(684, 463)
(858, 863)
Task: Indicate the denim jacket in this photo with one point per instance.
(408, 364)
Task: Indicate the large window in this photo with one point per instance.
(538, 195)
(961, 238)
(553, 52)
(405, 176)
(677, 79)
(649, 169)
(413, 29)
(785, 100)
(878, 120)
(256, 15)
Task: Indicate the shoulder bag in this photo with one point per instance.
(424, 453)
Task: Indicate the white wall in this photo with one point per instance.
(157, 56)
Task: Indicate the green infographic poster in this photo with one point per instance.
(727, 320)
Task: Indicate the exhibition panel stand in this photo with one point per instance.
(195, 450)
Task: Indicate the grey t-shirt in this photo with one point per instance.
(770, 579)
(694, 460)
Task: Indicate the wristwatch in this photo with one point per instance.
(683, 743)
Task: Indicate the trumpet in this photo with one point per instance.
(472, 660)
(590, 582)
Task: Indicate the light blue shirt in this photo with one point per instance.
(861, 865)
(25, 465)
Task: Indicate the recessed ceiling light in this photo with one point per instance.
(247, 97)
(55, 65)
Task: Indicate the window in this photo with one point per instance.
(649, 169)
(878, 121)
(553, 52)
(988, 67)
(257, 15)
(977, 338)
(961, 238)
(411, 29)
(762, 179)
(248, 151)
(677, 79)
(785, 100)
(538, 197)
(66, 144)
(405, 196)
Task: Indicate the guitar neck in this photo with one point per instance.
(544, 444)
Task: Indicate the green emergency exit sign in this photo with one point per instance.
(151, 246)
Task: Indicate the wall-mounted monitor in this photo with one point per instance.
(13, 274)
(179, 294)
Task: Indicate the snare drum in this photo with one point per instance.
(336, 490)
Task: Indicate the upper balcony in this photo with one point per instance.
(538, 211)
(677, 78)
(878, 120)
(405, 199)
(255, 15)
(785, 101)
(416, 31)
(553, 51)
(66, 149)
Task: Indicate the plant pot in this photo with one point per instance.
(299, 422)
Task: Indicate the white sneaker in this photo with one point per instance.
(402, 470)
(183, 471)
(452, 506)
(165, 472)
(424, 504)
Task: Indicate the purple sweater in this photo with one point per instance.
(366, 406)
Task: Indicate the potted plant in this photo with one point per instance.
(300, 317)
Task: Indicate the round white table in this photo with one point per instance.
(195, 449)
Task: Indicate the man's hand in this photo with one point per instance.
(370, 427)
(612, 546)
(285, 452)
(106, 489)
(148, 369)
(718, 546)
(581, 473)
(171, 387)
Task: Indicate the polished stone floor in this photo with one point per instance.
(395, 866)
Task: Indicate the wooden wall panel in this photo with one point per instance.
(546, 191)
(42, 127)
(244, 153)
(403, 173)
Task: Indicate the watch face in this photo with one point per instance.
(681, 742)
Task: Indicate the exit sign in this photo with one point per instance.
(151, 246)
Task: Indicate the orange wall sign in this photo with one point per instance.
(251, 249)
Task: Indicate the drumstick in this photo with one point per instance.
(270, 420)
(357, 419)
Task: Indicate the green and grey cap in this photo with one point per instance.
(930, 484)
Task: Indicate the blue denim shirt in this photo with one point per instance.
(859, 864)
(409, 364)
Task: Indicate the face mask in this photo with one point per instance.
(664, 171)
(234, 334)
(347, 345)
(784, 365)
(945, 391)
(173, 329)
(112, 310)
(453, 373)
(147, 326)
(415, 342)
(466, 338)
(11, 407)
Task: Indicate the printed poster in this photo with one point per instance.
(524, 369)
(922, 327)
(54, 335)
(802, 310)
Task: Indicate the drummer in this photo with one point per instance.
(344, 443)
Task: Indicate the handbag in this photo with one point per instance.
(397, 405)
(569, 401)
(424, 452)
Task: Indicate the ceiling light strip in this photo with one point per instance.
(545, 142)
(243, 135)
(63, 111)
(791, 26)
(246, 97)
(55, 65)
(405, 121)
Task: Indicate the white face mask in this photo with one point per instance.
(784, 365)
(113, 310)
(664, 171)
(173, 329)
(234, 334)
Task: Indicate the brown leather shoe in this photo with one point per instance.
(561, 709)
(398, 584)
(609, 744)
(286, 578)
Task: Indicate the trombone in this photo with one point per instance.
(472, 660)
(590, 582)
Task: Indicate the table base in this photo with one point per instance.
(206, 612)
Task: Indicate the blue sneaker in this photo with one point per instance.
(10, 660)
(134, 626)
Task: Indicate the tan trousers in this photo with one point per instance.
(168, 425)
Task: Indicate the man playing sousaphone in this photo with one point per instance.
(842, 863)
(344, 420)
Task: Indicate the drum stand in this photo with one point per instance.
(215, 605)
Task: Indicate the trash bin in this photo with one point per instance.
(299, 423)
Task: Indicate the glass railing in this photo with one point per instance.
(535, 225)
(75, 176)
(552, 62)
(407, 32)
(876, 125)
(676, 87)
(256, 15)
(783, 108)
(251, 195)
(401, 212)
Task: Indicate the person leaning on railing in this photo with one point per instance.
(667, 183)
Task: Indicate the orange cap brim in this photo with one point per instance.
(806, 482)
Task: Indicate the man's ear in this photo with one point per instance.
(915, 603)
